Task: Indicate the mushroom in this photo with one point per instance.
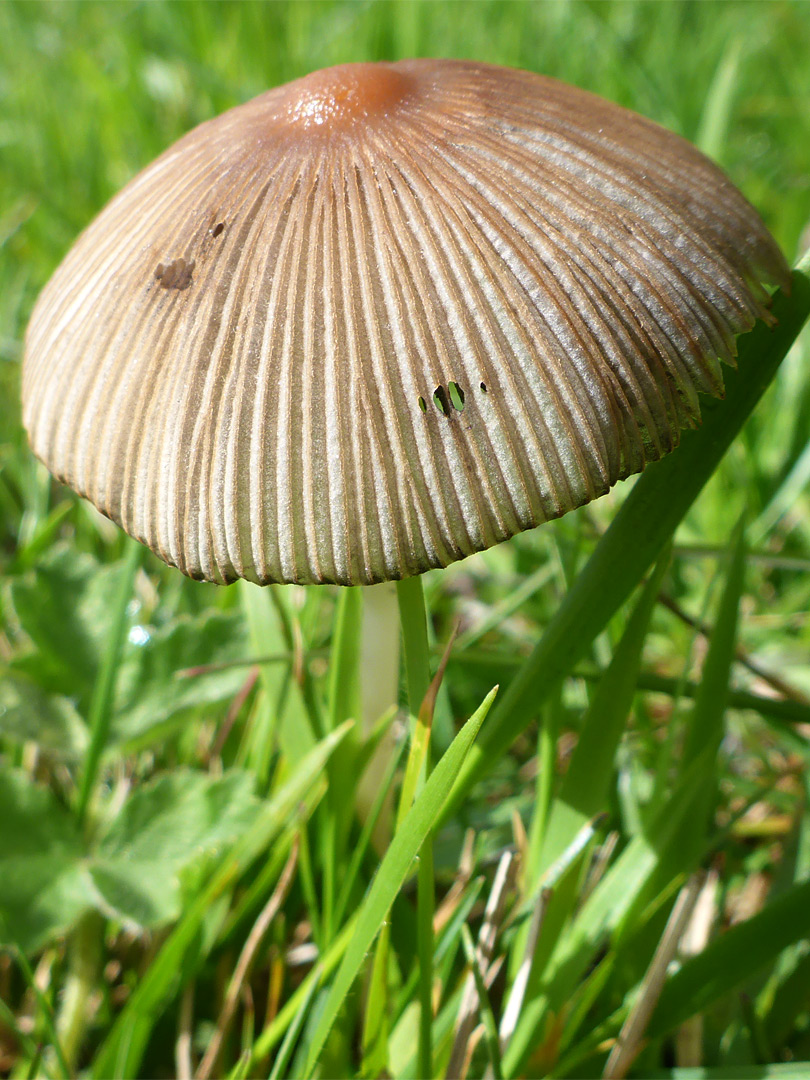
(385, 316)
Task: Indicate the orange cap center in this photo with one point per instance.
(338, 97)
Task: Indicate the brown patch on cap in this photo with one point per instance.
(176, 274)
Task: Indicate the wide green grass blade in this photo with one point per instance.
(658, 502)
(394, 869)
(704, 735)
(584, 791)
(121, 1053)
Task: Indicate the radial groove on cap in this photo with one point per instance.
(248, 359)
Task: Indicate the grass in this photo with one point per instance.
(181, 865)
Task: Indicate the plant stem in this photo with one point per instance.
(413, 618)
(104, 689)
(84, 964)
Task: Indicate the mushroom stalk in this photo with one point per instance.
(379, 689)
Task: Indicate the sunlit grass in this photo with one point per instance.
(180, 856)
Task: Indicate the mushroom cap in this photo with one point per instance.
(388, 315)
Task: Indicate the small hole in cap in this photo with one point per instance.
(441, 401)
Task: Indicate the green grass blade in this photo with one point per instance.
(704, 735)
(376, 1022)
(793, 1070)
(307, 991)
(413, 620)
(411, 597)
(121, 1053)
(344, 662)
(584, 791)
(601, 914)
(711, 135)
(284, 1054)
(658, 502)
(267, 637)
(344, 703)
(394, 870)
(359, 849)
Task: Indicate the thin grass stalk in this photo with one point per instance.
(413, 619)
(46, 1010)
(484, 1004)
(239, 979)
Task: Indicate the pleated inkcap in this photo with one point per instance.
(388, 315)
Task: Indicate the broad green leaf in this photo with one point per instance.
(648, 518)
(150, 693)
(99, 714)
(64, 608)
(179, 819)
(44, 886)
(29, 713)
(394, 869)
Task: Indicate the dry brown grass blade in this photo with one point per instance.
(182, 1048)
(446, 909)
(742, 656)
(493, 917)
(689, 1036)
(629, 1042)
(511, 1013)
